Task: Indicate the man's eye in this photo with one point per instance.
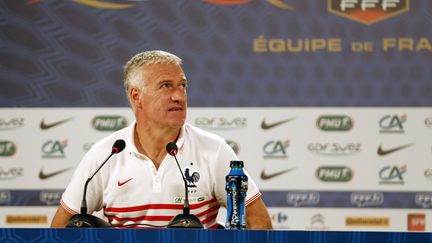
(165, 86)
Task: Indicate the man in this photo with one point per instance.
(142, 185)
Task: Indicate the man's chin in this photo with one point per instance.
(177, 124)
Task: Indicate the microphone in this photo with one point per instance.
(87, 220)
(184, 220)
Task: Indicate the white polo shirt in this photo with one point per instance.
(130, 190)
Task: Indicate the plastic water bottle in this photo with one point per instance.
(236, 187)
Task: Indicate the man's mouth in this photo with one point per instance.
(175, 109)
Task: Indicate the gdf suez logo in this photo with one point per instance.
(392, 123)
(367, 11)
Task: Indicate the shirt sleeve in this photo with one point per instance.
(222, 167)
(73, 195)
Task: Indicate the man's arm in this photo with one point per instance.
(61, 218)
(257, 216)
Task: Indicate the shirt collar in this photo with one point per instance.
(134, 150)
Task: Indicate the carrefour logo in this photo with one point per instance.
(335, 123)
(109, 123)
(7, 148)
(334, 173)
(367, 11)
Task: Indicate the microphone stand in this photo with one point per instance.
(84, 220)
(184, 220)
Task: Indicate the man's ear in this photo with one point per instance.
(134, 95)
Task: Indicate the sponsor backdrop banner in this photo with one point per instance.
(325, 163)
(318, 168)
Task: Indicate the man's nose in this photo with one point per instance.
(178, 94)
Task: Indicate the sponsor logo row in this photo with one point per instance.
(271, 149)
(390, 123)
(386, 175)
(349, 199)
(99, 123)
(30, 198)
(414, 221)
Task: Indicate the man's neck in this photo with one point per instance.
(152, 141)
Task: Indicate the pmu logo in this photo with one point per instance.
(367, 199)
(221, 123)
(7, 148)
(392, 174)
(423, 199)
(50, 197)
(367, 11)
(276, 149)
(392, 123)
(335, 123)
(54, 149)
(8, 124)
(334, 173)
(109, 123)
(298, 199)
(334, 149)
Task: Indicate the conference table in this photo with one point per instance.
(206, 236)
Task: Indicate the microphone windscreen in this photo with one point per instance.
(118, 146)
(171, 148)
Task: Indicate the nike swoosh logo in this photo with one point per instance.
(45, 126)
(382, 152)
(44, 176)
(265, 176)
(124, 182)
(266, 126)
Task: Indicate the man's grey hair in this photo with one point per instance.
(133, 73)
